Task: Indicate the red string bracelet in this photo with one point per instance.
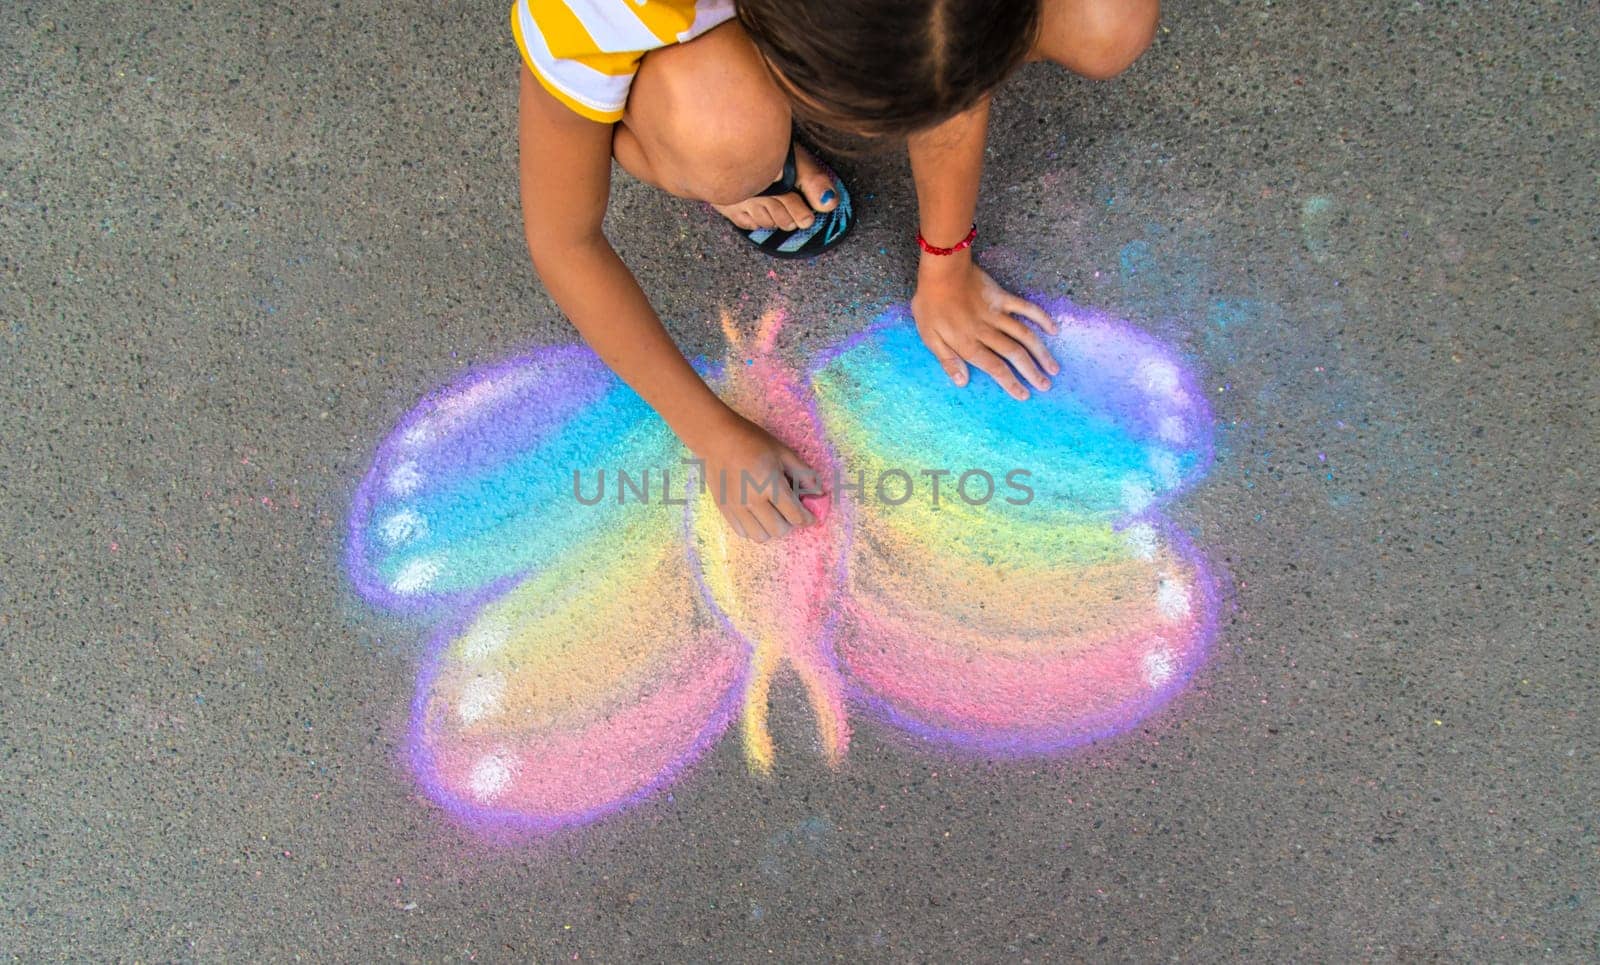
(961, 245)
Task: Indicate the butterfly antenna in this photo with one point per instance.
(730, 331)
(827, 703)
(766, 335)
(757, 737)
(767, 330)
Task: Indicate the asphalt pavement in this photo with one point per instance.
(238, 242)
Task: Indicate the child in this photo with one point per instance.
(700, 99)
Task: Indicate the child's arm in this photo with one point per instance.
(961, 313)
(566, 171)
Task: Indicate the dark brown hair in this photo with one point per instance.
(884, 69)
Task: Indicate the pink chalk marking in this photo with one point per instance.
(562, 776)
(946, 674)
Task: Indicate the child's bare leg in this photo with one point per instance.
(1098, 39)
(705, 121)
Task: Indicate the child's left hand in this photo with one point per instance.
(964, 316)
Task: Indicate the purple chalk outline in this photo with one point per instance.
(358, 558)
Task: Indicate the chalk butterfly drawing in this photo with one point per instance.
(585, 655)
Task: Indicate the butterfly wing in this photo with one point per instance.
(475, 487)
(1033, 619)
(581, 669)
(581, 690)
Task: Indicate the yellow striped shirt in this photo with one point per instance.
(585, 52)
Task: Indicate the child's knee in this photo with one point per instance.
(727, 157)
(1102, 38)
(715, 124)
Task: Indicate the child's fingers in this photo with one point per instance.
(987, 361)
(788, 506)
(768, 517)
(794, 465)
(806, 483)
(1031, 341)
(1030, 311)
(784, 509)
(951, 362)
(752, 525)
(1016, 353)
(732, 516)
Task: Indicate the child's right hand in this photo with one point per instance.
(965, 317)
(756, 480)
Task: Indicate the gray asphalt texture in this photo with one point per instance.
(238, 241)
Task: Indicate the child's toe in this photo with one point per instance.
(799, 211)
(815, 182)
(819, 191)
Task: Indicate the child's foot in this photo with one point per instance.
(793, 211)
(799, 223)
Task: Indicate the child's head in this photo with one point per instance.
(888, 68)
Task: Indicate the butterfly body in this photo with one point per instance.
(779, 595)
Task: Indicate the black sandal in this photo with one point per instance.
(827, 229)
